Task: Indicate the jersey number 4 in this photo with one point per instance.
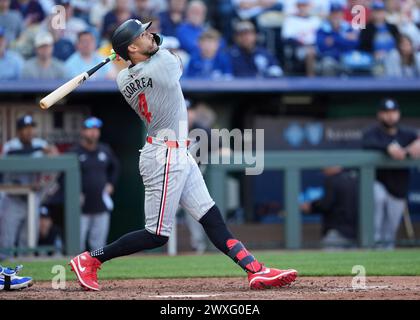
(143, 108)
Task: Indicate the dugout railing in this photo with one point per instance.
(69, 166)
(293, 163)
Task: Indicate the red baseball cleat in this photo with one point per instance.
(85, 267)
(271, 278)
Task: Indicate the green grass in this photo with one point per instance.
(308, 263)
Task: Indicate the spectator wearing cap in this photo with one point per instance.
(99, 172)
(247, 58)
(299, 33)
(172, 17)
(43, 66)
(189, 31)
(11, 63)
(63, 48)
(85, 57)
(403, 61)
(391, 186)
(10, 20)
(379, 37)
(210, 61)
(14, 207)
(335, 38)
(30, 10)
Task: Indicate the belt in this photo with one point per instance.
(168, 143)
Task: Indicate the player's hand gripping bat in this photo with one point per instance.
(72, 84)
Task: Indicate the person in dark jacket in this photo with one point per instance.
(379, 37)
(391, 186)
(99, 173)
(339, 208)
(248, 59)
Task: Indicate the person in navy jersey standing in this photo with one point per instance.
(99, 173)
(391, 186)
(13, 208)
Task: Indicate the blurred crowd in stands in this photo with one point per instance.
(224, 39)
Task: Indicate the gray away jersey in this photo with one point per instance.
(153, 90)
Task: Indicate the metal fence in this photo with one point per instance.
(293, 162)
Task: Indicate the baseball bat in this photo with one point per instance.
(72, 84)
(408, 224)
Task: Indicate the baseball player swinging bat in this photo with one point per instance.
(72, 84)
(151, 87)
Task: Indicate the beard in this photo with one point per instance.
(388, 125)
(152, 52)
(90, 140)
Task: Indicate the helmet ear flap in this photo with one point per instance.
(158, 38)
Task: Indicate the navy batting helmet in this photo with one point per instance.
(125, 34)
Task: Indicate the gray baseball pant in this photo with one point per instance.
(388, 213)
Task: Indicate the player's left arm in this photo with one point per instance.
(413, 148)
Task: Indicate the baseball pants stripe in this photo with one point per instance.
(164, 191)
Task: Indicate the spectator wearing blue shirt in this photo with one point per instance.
(86, 57)
(335, 38)
(11, 63)
(63, 48)
(189, 31)
(248, 59)
(171, 18)
(210, 61)
(379, 37)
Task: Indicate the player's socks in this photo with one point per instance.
(128, 244)
(242, 257)
(222, 238)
